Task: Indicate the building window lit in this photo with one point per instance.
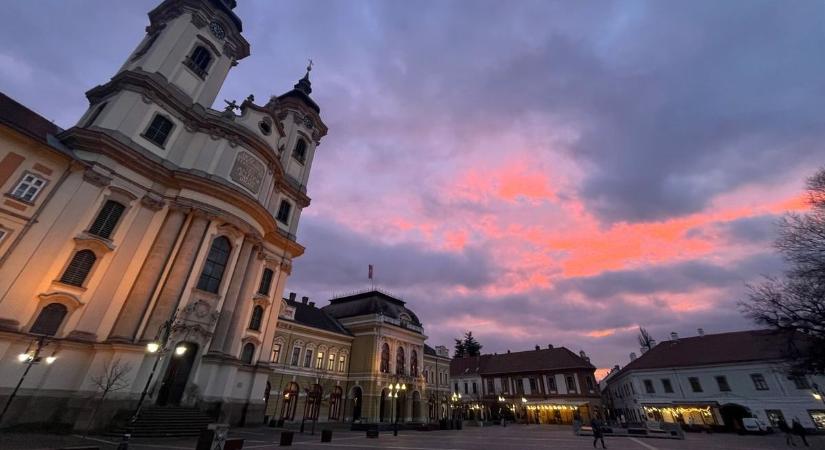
(276, 353)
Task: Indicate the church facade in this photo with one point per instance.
(362, 358)
(153, 239)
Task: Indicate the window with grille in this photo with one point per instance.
(257, 317)
(276, 353)
(759, 382)
(49, 319)
(800, 381)
(199, 61)
(722, 382)
(79, 268)
(213, 268)
(695, 385)
(300, 151)
(106, 219)
(335, 403)
(283, 212)
(266, 282)
(159, 130)
(28, 187)
(248, 353)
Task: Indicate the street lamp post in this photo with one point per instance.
(457, 413)
(502, 400)
(159, 347)
(394, 390)
(30, 358)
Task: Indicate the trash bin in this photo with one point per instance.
(233, 444)
(286, 438)
(326, 435)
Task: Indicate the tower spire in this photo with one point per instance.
(304, 85)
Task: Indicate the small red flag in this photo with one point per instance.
(370, 274)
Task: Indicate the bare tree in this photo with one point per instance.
(112, 378)
(645, 339)
(795, 303)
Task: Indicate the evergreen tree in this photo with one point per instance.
(471, 345)
(460, 350)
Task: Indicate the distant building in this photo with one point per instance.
(337, 363)
(715, 380)
(551, 385)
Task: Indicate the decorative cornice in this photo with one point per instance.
(153, 201)
(96, 178)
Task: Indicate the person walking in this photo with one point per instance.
(799, 430)
(786, 430)
(598, 435)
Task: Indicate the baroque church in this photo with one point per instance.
(147, 247)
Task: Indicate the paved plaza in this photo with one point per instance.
(515, 437)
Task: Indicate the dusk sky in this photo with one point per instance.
(536, 172)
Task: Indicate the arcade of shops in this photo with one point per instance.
(693, 414)
(557, 412)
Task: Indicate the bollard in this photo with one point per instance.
(286, 438)
(326, 435)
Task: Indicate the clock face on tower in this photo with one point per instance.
(217, 30)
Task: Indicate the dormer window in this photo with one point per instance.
(199, 61)
(300, 152)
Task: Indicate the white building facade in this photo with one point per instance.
(714, 381)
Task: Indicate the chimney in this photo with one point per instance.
(674, 336)
(538, 348)
(312, 304)
(633, 356)
(508, 350)
(652, 343)
(701, 331)
(616, 367)
(292, 296)
(549, 345)
(304, 299)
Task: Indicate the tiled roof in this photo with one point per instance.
(309, 315)
(26, 121)
(722, 348)
(546, 359)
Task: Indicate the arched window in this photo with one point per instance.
(257, 317)
(199, 61)
(399, 361)
(385, 358)
(290, 401)
(248, 353)
(106, 219)
(414, 363)
(300, 151)
(266, 282)
(335, 403)
(313, 402)
(49, 319)
(79, 268)
(215, 265)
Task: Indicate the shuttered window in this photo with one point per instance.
(266, 281)
(79, 268)
(106, 220)
(257, 317)
(49, 319)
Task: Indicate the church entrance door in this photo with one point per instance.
(177, 375)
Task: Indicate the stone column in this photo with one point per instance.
(242, 306)
(182, 267)
(137, 301)
(231, 300)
